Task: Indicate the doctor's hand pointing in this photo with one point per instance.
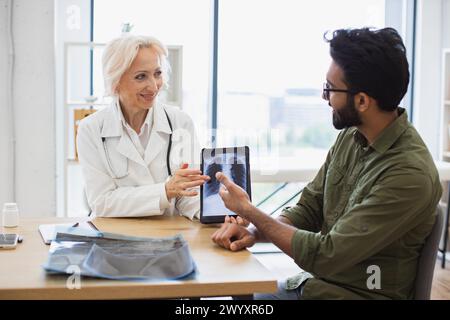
(184, 179)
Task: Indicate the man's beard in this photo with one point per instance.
(347, 116)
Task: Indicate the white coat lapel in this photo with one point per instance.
(159, 136)
(127, 148)
(112, 127)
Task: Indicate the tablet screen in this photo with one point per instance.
(234, 163)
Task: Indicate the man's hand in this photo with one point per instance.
(238, 220)
(234, 197)
(233, 237)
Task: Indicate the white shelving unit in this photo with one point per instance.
(76, 78)
(445, 106)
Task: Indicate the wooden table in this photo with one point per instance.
(220, 272)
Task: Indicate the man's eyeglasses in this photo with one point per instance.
(326, 91)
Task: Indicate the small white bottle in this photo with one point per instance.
(10, 215)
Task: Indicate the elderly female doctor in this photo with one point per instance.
(138, 155)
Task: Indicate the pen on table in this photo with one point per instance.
(93, 225)
(89, 222)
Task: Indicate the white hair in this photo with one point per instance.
(120, 53)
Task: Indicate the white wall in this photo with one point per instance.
(446, 23)
(5, 193)
(33, 102)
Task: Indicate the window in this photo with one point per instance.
(272, 64)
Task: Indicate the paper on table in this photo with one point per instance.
(48, 231)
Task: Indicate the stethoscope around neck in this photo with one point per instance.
(169, 147)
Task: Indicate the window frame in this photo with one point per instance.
(406, 24)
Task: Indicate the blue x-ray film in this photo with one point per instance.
(233, 166)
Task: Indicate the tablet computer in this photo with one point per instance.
(234, 162)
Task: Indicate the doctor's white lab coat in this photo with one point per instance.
(131, 185)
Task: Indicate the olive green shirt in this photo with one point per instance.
(364, 218)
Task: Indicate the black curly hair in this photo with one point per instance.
(373, 61)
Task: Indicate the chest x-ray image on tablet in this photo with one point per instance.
(234, 163)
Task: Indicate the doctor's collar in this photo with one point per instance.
(149, 119)
(160, 122)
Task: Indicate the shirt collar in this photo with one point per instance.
(147, 122)
(112, 125)
(388, 136)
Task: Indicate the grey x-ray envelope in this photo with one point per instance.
(117, 257)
